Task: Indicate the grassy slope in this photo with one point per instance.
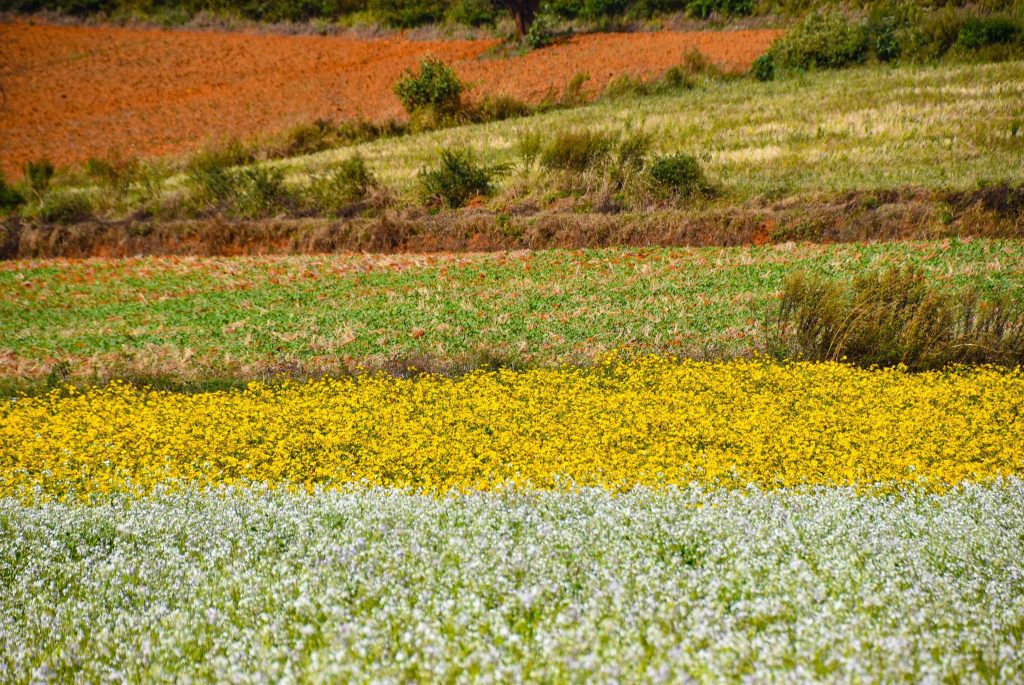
(240, 316)
(946, 126)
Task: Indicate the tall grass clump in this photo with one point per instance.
(577, 150)
(65, 206)
(259, 191)
(325, 134)
(456, 178)
(249, 192)
(894, 317)
(38, 174)
(336, 188)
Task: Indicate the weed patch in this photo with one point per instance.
(895, 317)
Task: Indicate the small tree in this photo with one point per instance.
(522, 12)
(435, 85)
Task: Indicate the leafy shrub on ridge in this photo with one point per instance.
(435, 85)
(456, 178)
(337, 187)
(680, 174)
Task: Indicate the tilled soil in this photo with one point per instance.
(74, 92)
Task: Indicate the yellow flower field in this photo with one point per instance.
(648, 422)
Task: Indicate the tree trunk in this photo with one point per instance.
(522, 12)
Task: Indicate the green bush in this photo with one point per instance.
(882, 33)
(577, 150)
(407, 13)
(821, 41)
(65, 207)
(259, 191)
(335, 188)
(675, 79)
(210, 178)
(456, 178)
(542, 30)
(473, 12)
(764, 67)
(434, 85)
(10, 198)
(306, 139)
(216, 183)
(979, 32)
(38, 174)
(894, 317)
(705, 8)
(932, 35)
(595, 10)
(680, 174)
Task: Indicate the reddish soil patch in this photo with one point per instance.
(73, 92)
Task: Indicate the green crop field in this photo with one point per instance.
(185, 315)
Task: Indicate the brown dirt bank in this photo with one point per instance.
(74, 92)
(907, 214)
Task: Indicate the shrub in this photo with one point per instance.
(258, 191)
(407, 13)
(705, 8)
(674, 79)
(210, 178)
(473, 12)
(894, 317)
(594, 10)
(680, 174)
(435, 85)
(885, 29)
(340, 185)
(10, 198)
(979, 32)
(542, 31)
(65, 207)
(822, 41)
(38, 174)
(456, 178)
(577, 150)
(252, 191)
(764, 67)
(116, 175)
(932, 35)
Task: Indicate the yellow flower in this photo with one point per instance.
(652, 422)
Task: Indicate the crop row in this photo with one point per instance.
(651, 422)
(371, 585)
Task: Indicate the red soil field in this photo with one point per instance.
(74, 92)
